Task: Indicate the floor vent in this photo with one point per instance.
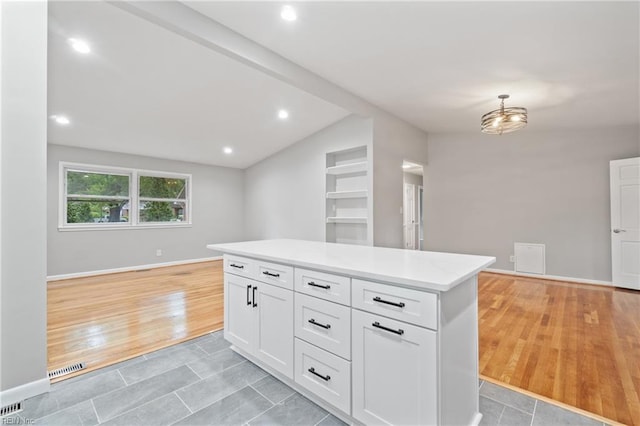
(10, 409)
(67, 370)
(142, 270)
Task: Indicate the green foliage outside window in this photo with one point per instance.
(94, 197)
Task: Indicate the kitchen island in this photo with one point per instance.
(374, 335)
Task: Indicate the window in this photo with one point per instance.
(105, 197)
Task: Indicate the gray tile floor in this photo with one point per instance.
(203, 382)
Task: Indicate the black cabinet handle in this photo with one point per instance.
(270, 274)
(325, 326)
(254, 297)
(325, 378)
(233, 265)
(312, 284)
(398, 331)
(398, 304)
(248, 294)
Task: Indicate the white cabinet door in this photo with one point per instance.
(274, 327)
(239, 313)
(394, 368)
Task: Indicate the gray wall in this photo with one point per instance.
(483, 193)
(285, 194)
(217, 204)
(393, 142)
(23, 299)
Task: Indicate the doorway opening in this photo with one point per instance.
(413, 205)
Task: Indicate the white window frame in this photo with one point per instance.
(134, 198)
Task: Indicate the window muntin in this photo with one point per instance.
(100, 197)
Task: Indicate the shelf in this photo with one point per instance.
(347, 168)
(347, 220)
(347, 194)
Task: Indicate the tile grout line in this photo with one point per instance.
(194, 372)
(248, 422)
(511, 406)
(123, 379)
(533, 415)
(504, 407)
(153, 400)
(183, 403)
(261, 394)
(322, 419)
(95, 411)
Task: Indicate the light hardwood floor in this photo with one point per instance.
(574, 343)
(106, 319)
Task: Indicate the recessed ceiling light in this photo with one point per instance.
(79, 46)
(61, 119)
(283, 114)
(288, 13)
(227, 150)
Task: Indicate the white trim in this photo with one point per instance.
(549, 277)
(125, 226)
(128, 268)
(22, 392)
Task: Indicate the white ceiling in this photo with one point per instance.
(144, 90)
(441, 65)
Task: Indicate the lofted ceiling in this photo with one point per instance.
(145, 90)
(441, 65)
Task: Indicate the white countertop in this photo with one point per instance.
(419, 269)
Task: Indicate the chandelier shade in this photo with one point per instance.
(504, 120)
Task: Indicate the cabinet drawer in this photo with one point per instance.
(334, 288)
(274, 273)
(239, 266)
(324, 374)
(325, 324)
(412, 306)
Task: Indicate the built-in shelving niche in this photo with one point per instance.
(347, 197)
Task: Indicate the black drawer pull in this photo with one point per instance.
(398, 304)
(248, 294)
(325, 378)
(233, 265)
(254, 297)
(270, 274)
(325, 326)
(312, 284)
(398, 331)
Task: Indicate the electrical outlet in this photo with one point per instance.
(512, 259)
(158, 252)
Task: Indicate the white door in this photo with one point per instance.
(420, 218)
(625, 222)
(394, 372)
(274, 328)
(239, 314)
(409, 210)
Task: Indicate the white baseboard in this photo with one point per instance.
(549, 277)
(22, 392)
(128, 268)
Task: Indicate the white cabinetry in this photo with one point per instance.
(395, 378)
(368, 347)
(259, 320)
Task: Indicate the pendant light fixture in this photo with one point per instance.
(504, 120)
